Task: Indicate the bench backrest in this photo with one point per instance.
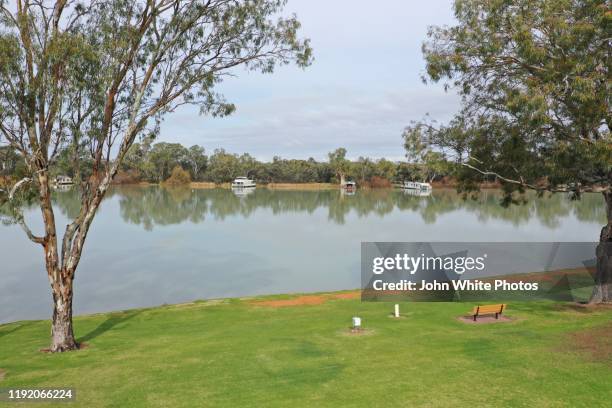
(489, 309)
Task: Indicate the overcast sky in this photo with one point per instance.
(362, 89)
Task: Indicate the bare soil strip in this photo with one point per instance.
(594, 343)
(306, 300)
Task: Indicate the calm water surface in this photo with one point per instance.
(149, 245)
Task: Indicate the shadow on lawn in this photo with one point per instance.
(14, 329)
(113, 320)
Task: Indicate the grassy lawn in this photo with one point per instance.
(234, 353)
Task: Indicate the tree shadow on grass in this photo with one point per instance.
(14, 329)
(113, 320)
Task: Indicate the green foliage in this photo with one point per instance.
(435, 165)
(66, 163)
(339, 163)
(11, 163)
(196, 158)
(414, 144)
(164, 157)
(424, 163)
(223, 167)
(535, 82)
(153, 163)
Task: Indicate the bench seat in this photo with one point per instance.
(497, 310)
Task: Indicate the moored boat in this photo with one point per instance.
(243, 182)
(349, 186)
(63, 181)
(415, 185)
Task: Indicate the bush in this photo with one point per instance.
(127, 177)
(377, 182)
(178, 177)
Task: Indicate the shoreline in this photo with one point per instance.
(271, 297)
(206, 185)
(354, 293)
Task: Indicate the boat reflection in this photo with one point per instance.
(243, 191)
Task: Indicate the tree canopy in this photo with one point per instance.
(534, 76)
(535, 84)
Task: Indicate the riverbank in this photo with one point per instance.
(315, 186)
(271, 186)
(297, 350)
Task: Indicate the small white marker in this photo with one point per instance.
(356, 322)
(397, 310)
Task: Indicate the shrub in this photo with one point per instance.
(178, 177)
(127, 177)
(379, 182)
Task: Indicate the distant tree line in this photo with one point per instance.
(154, 162)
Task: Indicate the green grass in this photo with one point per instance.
(231, 353)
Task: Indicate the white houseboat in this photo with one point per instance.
(415, 185)
(243, 182)
(349, 186)
(63, 181)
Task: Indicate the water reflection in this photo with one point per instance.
(152, 245)
(151, 206)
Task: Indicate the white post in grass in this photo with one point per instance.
(356, 322)
(396, 314)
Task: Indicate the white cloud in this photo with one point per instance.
(363, 88)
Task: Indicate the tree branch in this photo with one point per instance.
(549, 187)
(34, 238)
(17, 185)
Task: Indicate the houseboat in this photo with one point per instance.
(63, 181)
(415, 185)
(243, 182)
(349, 186)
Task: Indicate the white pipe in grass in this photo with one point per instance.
(396, 310)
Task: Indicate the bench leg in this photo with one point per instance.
(475, 317)
(496, 314)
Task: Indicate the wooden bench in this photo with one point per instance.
(488, 310)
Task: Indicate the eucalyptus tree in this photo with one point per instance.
(197, 160)
(339, 163)
(535, 84)
(429, 163)
(96, 75)
(164, 157)
(223, 167)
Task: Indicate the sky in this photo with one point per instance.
(363, 88)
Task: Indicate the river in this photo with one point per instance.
(150, 245)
